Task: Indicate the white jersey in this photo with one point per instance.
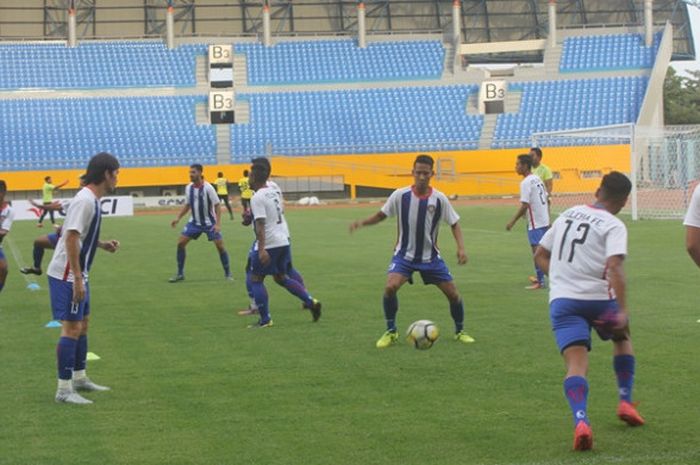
(692, 217)
(419, 222)
(202, 199)
(267, 204)
(7, 215)
(580, 241)
(274, 186)
(534, 194)
(85, 217)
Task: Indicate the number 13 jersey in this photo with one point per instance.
(267, 203)
(580, 241)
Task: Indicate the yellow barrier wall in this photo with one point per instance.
(477, 172)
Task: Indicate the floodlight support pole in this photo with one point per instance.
(170, 27)
(552, 13)
(267, 33)
(72, 28)
(648, 23)
(361, 26)
(456, 20)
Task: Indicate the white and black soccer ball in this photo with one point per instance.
(422, 334)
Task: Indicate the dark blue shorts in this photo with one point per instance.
(193, 231)
(280, 261)
(434, 272)
(536, 235)
(62, 305)
(573, 319)
(53, 238)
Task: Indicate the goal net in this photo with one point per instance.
(663, 164)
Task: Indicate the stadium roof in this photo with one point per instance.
(482, 20)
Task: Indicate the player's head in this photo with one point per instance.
(536, 154)
(102, 171)
(259, 174)
(423, 170)
(81, 180)
(614, 190)
(523, 165)
(3, 189)
(196, 171)
(263, 162)
(47, 179)
(219, 174)
(245, 173)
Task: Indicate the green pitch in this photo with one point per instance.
(192, 385)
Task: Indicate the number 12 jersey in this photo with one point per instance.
(580, 241)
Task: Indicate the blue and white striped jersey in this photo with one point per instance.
(419, 222)
(202, 199)
(84, 216)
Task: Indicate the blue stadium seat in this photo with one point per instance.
(357, 121)
(65, 133)
(342, 61)
(561, 105)
(608, 52)
(98, 65)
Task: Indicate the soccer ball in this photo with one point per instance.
(422, 334)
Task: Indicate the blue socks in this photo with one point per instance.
(457, 312)
(1, 286)
(576, 392)
(38, 254)
(65, 355)
(180, 261)
(540, 275)
(81, 353)
(295, 288)
(224, 262)
(261, 300)
(249, 285)
(624, 371)
(391, 307)
(296, 276)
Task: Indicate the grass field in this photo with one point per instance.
(192, 385)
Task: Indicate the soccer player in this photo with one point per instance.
(583, 254)
(246, 191)
(542, 171)
(6, 218)
(419, 210)
(270, 254)
(68, 277)
(533, 202)
(201, 199)
(692, 227)
(222, 191)
(47, 191)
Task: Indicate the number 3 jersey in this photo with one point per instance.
(267, 203)
(580, 241)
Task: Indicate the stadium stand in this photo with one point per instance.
(569, 104)
(64, 133)
(95, 65)
(357, 121)
(342, 61)
(607, 52)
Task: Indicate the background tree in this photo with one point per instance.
(682, 98)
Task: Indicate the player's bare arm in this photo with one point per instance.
(521, 211)
(459, 240)
(372, 220)
(73, 253)
(183, 212)
(61, 185)
(260, 236)
(692, 243)
(110, 246)
(542, 258)
(55, 205)
(616, 277)
(217, 211)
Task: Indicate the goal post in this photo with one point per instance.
(663, 165)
